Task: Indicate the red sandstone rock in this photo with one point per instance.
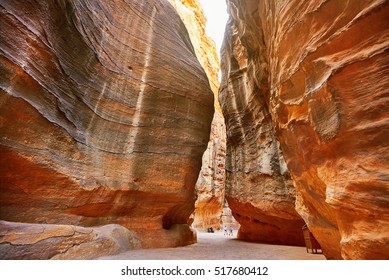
(314, 76)
(40, 241)
(105, 114)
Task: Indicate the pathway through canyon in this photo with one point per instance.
(216, 246)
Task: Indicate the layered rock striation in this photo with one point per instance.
(312, 76)
(105, 114)
(259, 189)
(195, 21)
(210, 184)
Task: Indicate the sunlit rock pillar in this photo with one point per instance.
(210, 184)
(105, 113)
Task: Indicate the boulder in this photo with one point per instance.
(312, 76)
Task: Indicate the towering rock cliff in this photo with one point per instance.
(314, 76)
(105, 114)
(210, 184)
(45, 241)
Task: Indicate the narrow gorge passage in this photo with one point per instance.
(118, 137)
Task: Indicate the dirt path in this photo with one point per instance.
(216, 246)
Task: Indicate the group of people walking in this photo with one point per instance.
(228, 231)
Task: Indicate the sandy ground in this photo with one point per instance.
(216, 246)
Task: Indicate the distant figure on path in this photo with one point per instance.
(225, 230)
(230, 231)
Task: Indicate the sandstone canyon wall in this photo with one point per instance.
(26, 241)
(210, 184)
(105, 114)
(312, 76)
(193, 17)
(259, 189)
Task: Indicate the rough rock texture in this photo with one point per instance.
(40, 241)
(210, 184)
(105, 113)
(314, 75)
(227, 217)
(259, 189)
(193, 17)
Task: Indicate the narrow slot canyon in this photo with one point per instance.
(124, 135)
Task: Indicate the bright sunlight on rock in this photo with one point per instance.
(310, 79)
(105, 114)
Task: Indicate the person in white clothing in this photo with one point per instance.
(231, 231)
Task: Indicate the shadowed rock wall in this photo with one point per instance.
(105, 113)
(313, 76)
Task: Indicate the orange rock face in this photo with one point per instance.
(317, 73)
(105, 114)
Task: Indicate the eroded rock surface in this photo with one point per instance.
(210, 184)
(228, 219)
(105, 114)
(193, 17)
(312, 75)
(41, 242)
(259, 189)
